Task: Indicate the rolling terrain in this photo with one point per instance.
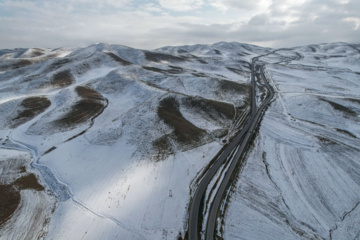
(111, 142)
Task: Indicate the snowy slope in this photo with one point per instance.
(118, 135)
(110, 141)
(302, 178)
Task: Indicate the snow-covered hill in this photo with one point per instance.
(302, 176)
(108, 142)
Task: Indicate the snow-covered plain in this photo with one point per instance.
(118, 135)
(302, 175)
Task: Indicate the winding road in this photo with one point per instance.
(241, 143)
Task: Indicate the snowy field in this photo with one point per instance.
(117, 136)
(302, 176)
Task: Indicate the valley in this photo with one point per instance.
(109, 142)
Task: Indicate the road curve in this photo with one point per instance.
(242, 138)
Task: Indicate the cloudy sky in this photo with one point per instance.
(149, 24)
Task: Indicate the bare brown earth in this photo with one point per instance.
(186, 134)
(13, 179)
(345, 110)
(30, 108)
(119, 59)
(62, 79)
(214, 108)
(91, 103)
(241, 89)
(10, 199)
(14, 64)
(172, 70)
(184, 131)
(158, 57)
(58, 63)
(37, 52)
(10, 194)
(28, 182)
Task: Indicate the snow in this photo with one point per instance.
(35, 207)
(107, 179)
(106, 173)
(301, 178)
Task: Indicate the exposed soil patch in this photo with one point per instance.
(175, 70)
(58, 63)
(353, 100)
(217, 52)
(37, 52)
(28, 182)
(49, 150)
(88, 93)
(241, 89)
(345, 132)
(154, 69)
(214, 108)
(240, 71)
(199, 74)
(325, 140)
(32, 211)
(184, 130)
(158, 57)
(118, 59)
(236, 70)
(163, 146)
(10, 199)
(185, 133)
(172, 70)
(31, 107)
(90, 105)
(200, 60)
(14, 64)
(345, 110)
(62, 79)
(21, 63)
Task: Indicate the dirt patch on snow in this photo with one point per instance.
(10, 199)
(36, 52)
(91, 103)
(172, 70)
(13, 179)
(13, 64)
(28, 182)
(118, 59)
(58, 63)
(230, 86)
(62, 79)
(345, 110)
(30, 107)
(213, 108)
(184, 131)
(158, 57)
(185, 134)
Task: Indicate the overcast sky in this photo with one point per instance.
(149, 24)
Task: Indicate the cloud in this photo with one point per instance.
(354, 20)
(261, 19)
(181, 5)
(148, 24)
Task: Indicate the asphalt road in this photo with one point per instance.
(243, 139)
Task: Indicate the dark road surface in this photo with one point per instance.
(241, 140)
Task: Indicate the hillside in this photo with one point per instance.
(109, 142)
